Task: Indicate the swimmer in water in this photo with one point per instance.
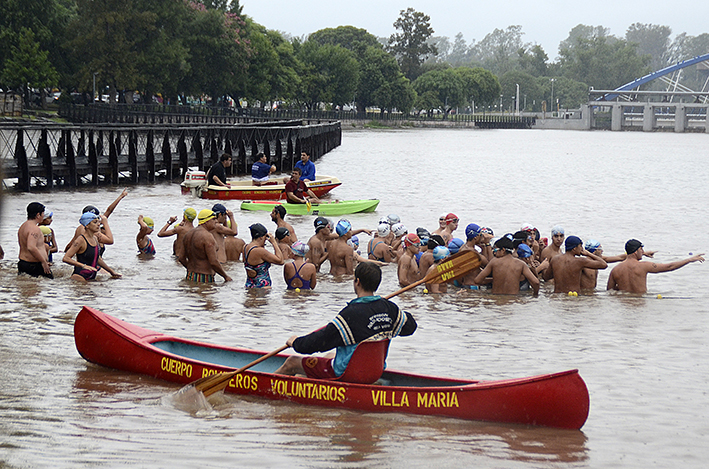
(145, 244)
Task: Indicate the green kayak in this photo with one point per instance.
(333, 209)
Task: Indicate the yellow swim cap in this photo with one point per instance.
(149, 221)
(190, 213)
(45, 230)
(205, 215)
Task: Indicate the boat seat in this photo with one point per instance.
(367, 363)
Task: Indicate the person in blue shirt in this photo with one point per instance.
(261, 170)
(307, 167)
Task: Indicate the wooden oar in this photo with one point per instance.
(453, 267)
(214, 383)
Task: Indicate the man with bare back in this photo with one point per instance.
(566, 268)
(200, 251)
(33, 254)
(506, 270)
(631, 274)
(340, 253)
(318, 243)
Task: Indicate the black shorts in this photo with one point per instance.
(34, 269)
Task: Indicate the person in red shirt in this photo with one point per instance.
(296, 190)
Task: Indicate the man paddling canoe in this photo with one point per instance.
(368, 317)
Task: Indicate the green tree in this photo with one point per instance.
(219, 53)
(602, 63)
(447, 86)
(273, 68)
(533, 60)
(568, 93)
(47, 19)
(395, 95)
(653, 40)
(28, 66)
(528, 88)
(480, 86)
(459, 54)
(330, 74)
(498, 50)
(409, 45)
(354, 39)
(379, 71)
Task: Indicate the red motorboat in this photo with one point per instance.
(554, 400)
(196, 183)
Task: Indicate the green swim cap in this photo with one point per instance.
(149, 221)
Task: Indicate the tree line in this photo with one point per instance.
(178, 49)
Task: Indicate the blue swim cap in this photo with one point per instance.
(471, 231)
(524, 251)
(87, 217)
(343, 227)
(440, 252)
(571, 242)
(591, 245)
(354, 240)
(454, 245)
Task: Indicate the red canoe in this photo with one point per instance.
(196, 183)
(554, 400)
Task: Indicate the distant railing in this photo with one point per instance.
(175, 114)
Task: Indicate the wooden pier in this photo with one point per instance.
(46, 155)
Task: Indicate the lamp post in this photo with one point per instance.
(517, 101)
(94, 97)
(552, 91)
(500, 104)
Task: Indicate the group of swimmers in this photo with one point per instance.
(514, 262)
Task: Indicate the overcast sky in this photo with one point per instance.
(544, 22)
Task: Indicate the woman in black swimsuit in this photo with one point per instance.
(86, 249)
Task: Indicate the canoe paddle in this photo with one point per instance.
(452, 268)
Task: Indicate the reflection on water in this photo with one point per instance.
(643, 357)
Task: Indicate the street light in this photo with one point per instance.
(517, 101)
(95, 73)
(500, 104)
(552, 91)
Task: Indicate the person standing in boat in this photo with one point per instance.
(33, 254)
(261, 170)
(631, 274)
(86, 249)
(296, 190)
(307, 167)
(278, 216)
(367, 317)
(300, 273)
(188, 216)
(216, 176)
(257, 259)
(199, 254)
